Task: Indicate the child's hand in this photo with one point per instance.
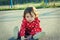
(22, 38)
(29, 36)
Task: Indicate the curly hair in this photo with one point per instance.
(29, 10)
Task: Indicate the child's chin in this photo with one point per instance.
(30, 21)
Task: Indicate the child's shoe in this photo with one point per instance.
(39, 35)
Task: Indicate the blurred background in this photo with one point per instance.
(22, 4)
(11, 12)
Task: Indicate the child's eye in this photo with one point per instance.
(27, 16)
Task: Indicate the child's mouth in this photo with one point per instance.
(30, 20)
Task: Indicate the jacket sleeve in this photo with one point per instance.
(37, 27)
(22, 29)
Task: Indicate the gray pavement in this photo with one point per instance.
(50, 23)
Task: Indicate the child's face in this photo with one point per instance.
(30, 18)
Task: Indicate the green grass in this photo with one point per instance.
(23, 6)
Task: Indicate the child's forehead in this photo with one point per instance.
(30, 14)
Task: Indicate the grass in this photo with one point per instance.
(23, 6)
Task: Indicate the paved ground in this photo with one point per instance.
(50, 22)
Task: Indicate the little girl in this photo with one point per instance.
(30, 24)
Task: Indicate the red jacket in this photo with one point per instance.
(34, 27)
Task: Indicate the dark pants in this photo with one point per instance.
(26, 35)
